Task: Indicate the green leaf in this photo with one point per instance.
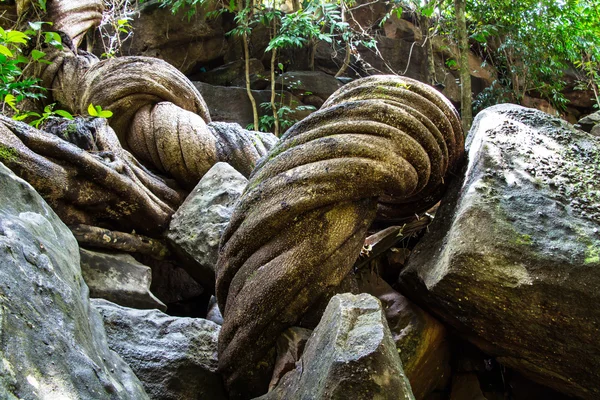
(92, 111)
(428, 11)
(5, 51)
(11, 100)
(16, 37)
(37, 55)
(105, 114)
(64, 114)
(36, 26)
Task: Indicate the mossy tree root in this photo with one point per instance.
(380, 145)
(104, 187)
(158, 114)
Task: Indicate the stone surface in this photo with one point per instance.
(305, 83)
(465, 386)
(118, 278)
(53, 344)
(513, 258)
(588, 122)
(351, 353)
(175, 358)
(197, 226)
(232, 73)
(185, 45)
(231, 104)
(290, 346)
(421, 339)
(214, 314)
(172, 284)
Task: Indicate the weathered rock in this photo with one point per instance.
(214, 314)
(512, 261)
(118, 278)
(420, 339)
(350, 353)
(184, 43)
(53, 342)
(231, 104)
(596, 130)
(290, 346)
(465, 386)
(232, 73)
(588, 122)
(306, 83)
(197, 226)
(176, 288)
(174, 357)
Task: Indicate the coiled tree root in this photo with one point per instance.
(159, 115)
(380, 146)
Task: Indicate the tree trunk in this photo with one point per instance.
(273, 105)
(465, 76)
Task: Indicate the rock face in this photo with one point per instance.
(231, 104)
(197, 226)
(175, 358)
(306, 83)
(420, 338)
(118, 278)
(171, 37)
(588, 122)
(513, 261)
(53, 342)
(351, 354)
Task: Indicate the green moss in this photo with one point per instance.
(8, 154)
(524, 240)
(592, 255)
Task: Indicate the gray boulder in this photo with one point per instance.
(305, 83)
(53, 344)
(513, 259)
(588, 122)
(174, 357)
(118, 278)
(197, 226)
(351, 354)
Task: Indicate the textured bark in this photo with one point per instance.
(75, 17)
(104, 186)
(158, 114)
(466, 97)
(91, 236)
(382, 145)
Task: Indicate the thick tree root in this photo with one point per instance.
(381, 145)
(105, 186)
(92, 236)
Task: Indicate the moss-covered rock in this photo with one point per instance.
(52, 342)
(512, 261)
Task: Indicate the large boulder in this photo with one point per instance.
(53, 342)
(513, 260)
(118, 277)
(351, 353)
(197, 226)
(174, 357)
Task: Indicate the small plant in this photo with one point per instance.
(97, 111)
(284, 113)
(48, 113)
